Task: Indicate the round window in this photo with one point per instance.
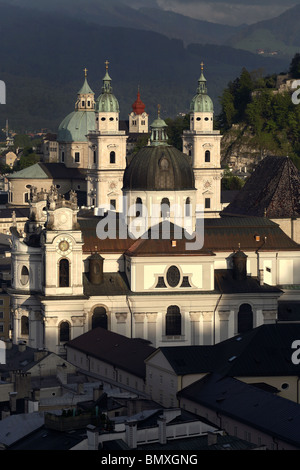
(285, 386)
(173, 276)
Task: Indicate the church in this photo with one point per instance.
(150, 255)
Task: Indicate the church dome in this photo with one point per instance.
(107, 102)
(201, 102)
(159, 166)
(76, 126)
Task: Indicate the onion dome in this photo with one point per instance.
(138, 106)
(202, 103)
(107, 102)
(159, 166)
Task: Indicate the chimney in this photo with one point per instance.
(239, 265)
(13, 401)
(22, 346)
(131, 434)
(61, 373)
(162, 430)
(96, 269)
(212, 438)
(97, 392)
(8, 344)
(39, 354)
(92, 437)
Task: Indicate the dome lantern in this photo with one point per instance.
(107, 102)
(158, 131)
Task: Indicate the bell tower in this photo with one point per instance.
(203, 143)
(138, 118)
(107, 152)
(62, 247)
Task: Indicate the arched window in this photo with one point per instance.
(138, 207)
(24, 326)
(99, 318)
(245, 318)
(165, 208)
(64, 273)
(112, 157)
(24, 275)
(173, 321)
(187, 207)
(207, 156)
(64, 332)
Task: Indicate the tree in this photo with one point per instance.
(295, 66)
(175, 129)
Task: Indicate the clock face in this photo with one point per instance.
(63, 245)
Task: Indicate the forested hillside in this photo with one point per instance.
(257, 119)
(42, 57)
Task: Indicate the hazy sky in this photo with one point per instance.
(233, 12)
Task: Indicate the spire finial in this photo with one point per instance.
(202, 66)
(106, 64)
(85, 72)
(158, 110)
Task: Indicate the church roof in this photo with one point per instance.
(272, 190)
(138, 106)
(220, 234)
(201, 102)
(85, 89)
(157, 168)
(75, 126)
(106, 101)
(42, 170)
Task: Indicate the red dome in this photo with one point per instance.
(138, 106)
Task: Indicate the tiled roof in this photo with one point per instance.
(263, 351)
(272, 189)
(125, 353)
(248, 404)
(226, 283)
(220, 234)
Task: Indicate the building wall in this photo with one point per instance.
(291, 227)
(4, 315)
(105, 370)
(236, 428)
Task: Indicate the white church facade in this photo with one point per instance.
(75, 269)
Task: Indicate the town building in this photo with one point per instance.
(149, 257)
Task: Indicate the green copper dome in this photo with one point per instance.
(107, 102)
(202, 103)
(158, 131)
(76, 126)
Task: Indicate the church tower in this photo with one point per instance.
(203, 144)
(73, 130)
(107, 152)
(47, 285)
(138, 118)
